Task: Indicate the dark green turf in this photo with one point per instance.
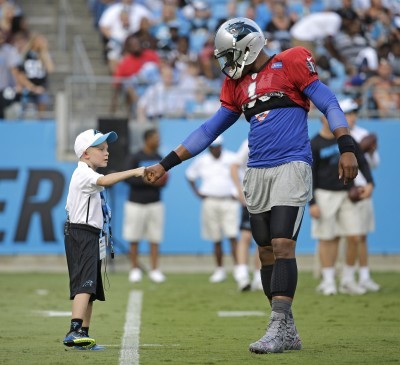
(180, 324)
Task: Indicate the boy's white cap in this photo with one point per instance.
(217, 142)
(348, 105)
(90, 138)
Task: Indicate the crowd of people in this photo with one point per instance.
(356, 45)
(25, 64)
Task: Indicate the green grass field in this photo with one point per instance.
(180, 323)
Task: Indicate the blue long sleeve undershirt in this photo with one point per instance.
(203, 136)
(326, 102)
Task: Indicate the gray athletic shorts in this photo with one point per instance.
(289, 184)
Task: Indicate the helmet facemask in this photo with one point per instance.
(232, 62)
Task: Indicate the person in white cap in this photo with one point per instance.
(220, 210)
(357, 244)
(85, 230)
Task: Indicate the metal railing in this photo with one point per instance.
(87, 98)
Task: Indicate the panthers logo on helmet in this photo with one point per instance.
(239, 30)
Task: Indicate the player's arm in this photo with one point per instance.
(195, 142)
(324, 99)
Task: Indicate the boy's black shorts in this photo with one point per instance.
(84, 265)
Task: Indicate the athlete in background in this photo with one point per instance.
(274, 94)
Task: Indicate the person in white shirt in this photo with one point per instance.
(220, 209)
(84, 232)
(117, 22)
(357, 245)
(242, 270)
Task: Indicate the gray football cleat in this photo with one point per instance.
(274, 339)
(292, 338)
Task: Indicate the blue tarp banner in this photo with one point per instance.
(34, 186)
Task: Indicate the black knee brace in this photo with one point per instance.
(284, 278)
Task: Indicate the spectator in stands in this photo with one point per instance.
(116, 35)
(12, 80)
(166, 29)
(144, 211)
(198, 14)
(37, 65)
(163, 99)
(394, 56)
(278, 28)
(219, 212)
(98, 7)
(146, 37)
(20, 25)
(6, 18)
(300, 9)
(383, 91)
(351, 47)
(182, 55)
(136, 69)
(110, 19)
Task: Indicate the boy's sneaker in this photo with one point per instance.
(78, 338)
(135, 275)
(274, 339)
(157, 276)
(327, 288)
(95, 347)
(292, 338)
(352, 288)
(369, 285)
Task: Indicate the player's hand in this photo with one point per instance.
(366, 191)
(315, 212)
(348, 167)
(153, 173)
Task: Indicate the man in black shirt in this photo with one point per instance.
(144, 212)
(333, 214)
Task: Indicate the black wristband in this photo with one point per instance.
(171, 160)
(346, 144)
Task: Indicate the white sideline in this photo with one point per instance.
(130, 341)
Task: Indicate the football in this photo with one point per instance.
(369, 143)
(354, 194)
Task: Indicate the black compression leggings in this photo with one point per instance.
(280, 222)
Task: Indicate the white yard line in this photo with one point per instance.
(130, 342)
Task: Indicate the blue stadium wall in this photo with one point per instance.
(34, 185)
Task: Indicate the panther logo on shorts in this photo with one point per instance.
(87, 283)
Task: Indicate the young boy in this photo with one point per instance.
(84, 234)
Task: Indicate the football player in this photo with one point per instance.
(273, 93)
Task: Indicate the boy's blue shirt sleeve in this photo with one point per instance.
(325, 100)
(203, 136)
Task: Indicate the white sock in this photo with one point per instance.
(328, 274)
(364, 273)
(348, 273)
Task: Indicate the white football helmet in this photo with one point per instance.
(237, 43)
